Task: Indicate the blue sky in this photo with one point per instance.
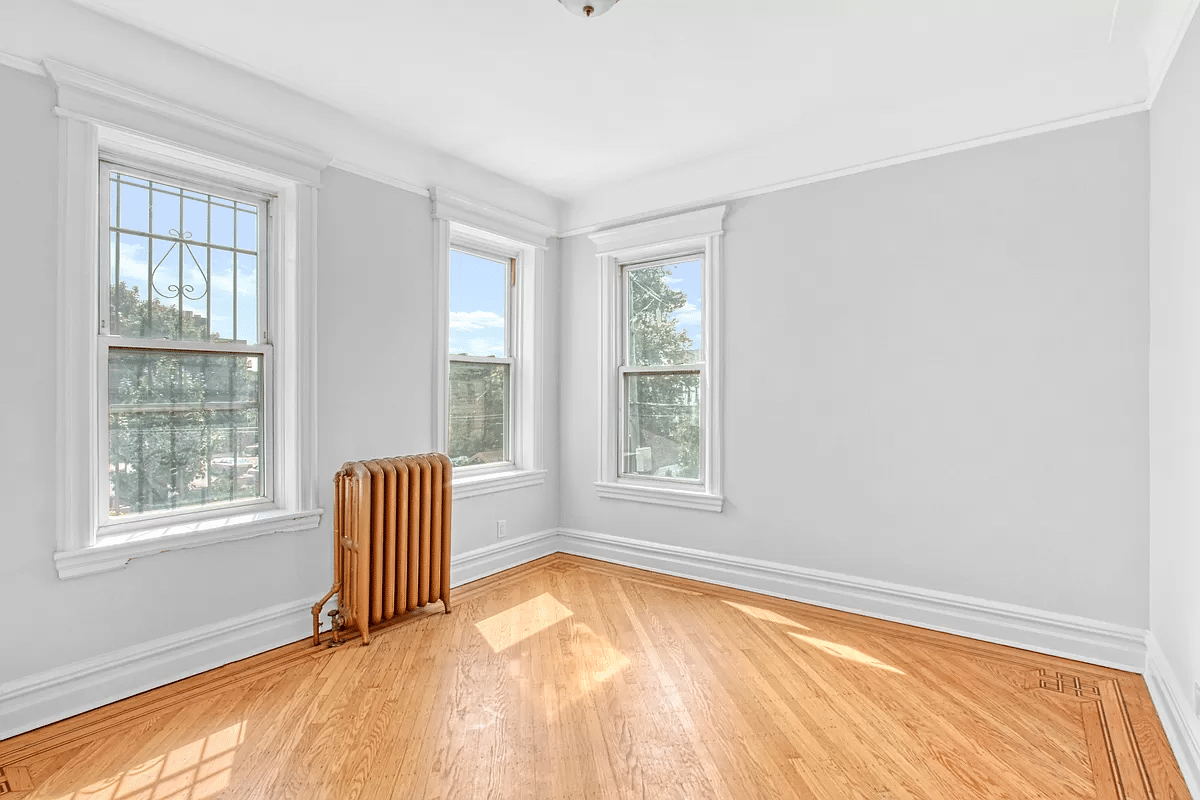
(135, 207)
(477, 292)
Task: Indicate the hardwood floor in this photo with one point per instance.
(570, 678)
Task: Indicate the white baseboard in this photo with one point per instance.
(504, 554)
(59, 693)
(1062, 635)
(1178, 718)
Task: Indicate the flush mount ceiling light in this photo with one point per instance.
(588, 8)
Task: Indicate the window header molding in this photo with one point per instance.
(98, 117)
(462, 222)
(92, 98)
(665, 236)
(452, 207)
(694, 232)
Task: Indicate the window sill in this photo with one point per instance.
(118, 551)
(676, 498)
(493, 482)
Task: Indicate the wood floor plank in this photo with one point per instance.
(572, 678)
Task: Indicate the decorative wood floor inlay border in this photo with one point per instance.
(125, 713)
(15, 781)
(1118, 742)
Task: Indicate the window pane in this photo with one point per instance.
(221, 301)
(247, 298)
(662, 425)
(664, 305)
(195, 217)
(177, 282)
(247, 227)
(135, 204)
(185, 430)
(478, 413)
(129, 256)
(166, 210)
(478, 301)
(222, 222)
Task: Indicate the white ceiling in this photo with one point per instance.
(573, 106)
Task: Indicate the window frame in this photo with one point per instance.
(100, 119)
(626, 369)
(464, 243)
(106, 525)
(465, 224)
(674, 239)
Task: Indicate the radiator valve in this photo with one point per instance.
(336, 623)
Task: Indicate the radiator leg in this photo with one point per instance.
(316, 612)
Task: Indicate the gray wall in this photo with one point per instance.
(935, 376)
(375, 348)
(1175, 366)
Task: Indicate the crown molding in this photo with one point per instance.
(378, 177)
(22, 64)
(1158, 77)
(83, 95)
(904, 158)
(455, 207)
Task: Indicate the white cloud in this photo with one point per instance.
(688, 315)
(475, 320)
(133, 250)
(133, 258)
(486, 347)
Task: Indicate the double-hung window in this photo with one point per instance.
(481, 362)
(186, 332)
(488, 389)
(185, 347)
(663, 370)
(660, 361)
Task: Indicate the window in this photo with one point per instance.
(488, 401)
(187, 342)
(663, 369)
(660, 421)
(481, 363)
(184, 336)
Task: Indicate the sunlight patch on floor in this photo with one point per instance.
(195, 771)
(764, 614)
(518, 623)
(845, 651)
(591, 660)
(599, 652)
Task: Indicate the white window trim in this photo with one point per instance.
(459, 221)
(98, 116)
(691, 232)
(108, 529)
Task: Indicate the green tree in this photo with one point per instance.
(478, 412)
(663, 408)
(181, 425)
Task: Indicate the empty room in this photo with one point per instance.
(606, 399)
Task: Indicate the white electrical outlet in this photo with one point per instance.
(501, 529)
